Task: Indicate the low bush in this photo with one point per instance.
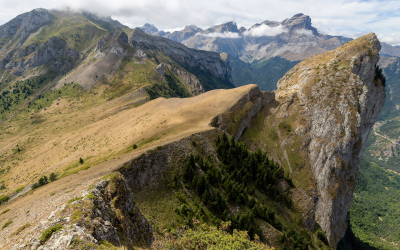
(4, 198)
(53, 177)
(19, 189)
(75, 199)
(6, 224)
(46, 234)
(19, 230)
(208, 237)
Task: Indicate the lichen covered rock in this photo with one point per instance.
(106, 214)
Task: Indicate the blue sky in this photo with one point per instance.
(335, 17)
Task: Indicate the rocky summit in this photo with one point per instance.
(318, 127)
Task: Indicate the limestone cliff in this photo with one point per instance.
(318, 127)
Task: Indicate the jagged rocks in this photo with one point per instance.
(106, 213)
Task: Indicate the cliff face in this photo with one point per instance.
(318, 127)
(208, 63)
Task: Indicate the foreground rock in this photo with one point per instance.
(106, 214)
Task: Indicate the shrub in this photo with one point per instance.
(75, 199)
(194, 143)
(19, 230)
(19, 189)
(285, 126)
(53, 177)
(134, 146)
(7, 224)
(42, 181)
(322, 236)
(91, 196)
(5, 211)
(4, 198)
(46, 234)
(208, 237)
(81, 161)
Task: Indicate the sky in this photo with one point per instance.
(349, 18)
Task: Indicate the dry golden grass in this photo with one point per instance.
(100, 131)
(103, 135)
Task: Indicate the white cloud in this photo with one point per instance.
(346, 17)
(174, 29)
(303, 32)
(222, 35)
(393, 39)
(265, 30)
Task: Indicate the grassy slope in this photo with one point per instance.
(169, 206)
(102, 133)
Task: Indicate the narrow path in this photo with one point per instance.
(387, 138)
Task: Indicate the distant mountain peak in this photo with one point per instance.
(107, 19)
(298, 22)
(149, 28)
(222, 28)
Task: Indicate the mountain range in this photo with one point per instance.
(265, 52)
(112, 137)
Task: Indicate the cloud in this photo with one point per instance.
(393, 39)
(303, 32)
(222, 35)
(174, 29)
(265, 30)
(345, 17)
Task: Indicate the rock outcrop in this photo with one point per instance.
(318, 127)
(54, 50)
(113, 215)
(204, 62)
(21, 26)
(237, 118)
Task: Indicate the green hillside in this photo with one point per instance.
(391, 66)
(264, 73)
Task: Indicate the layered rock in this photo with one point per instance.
(208, 63)
(192, 83)
(318, 127)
